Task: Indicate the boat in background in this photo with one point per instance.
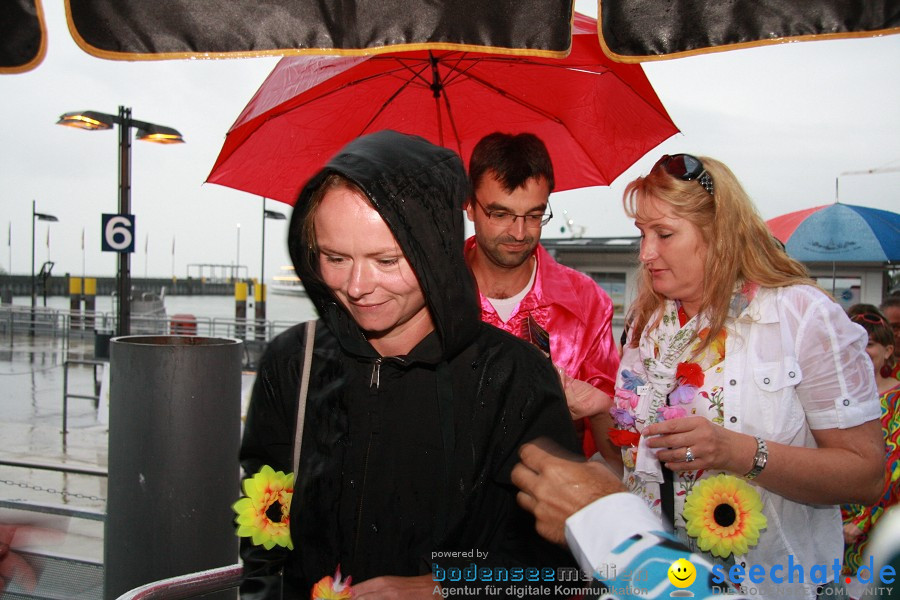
(287, 283)
(148, 313)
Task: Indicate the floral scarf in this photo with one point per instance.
(664, 381)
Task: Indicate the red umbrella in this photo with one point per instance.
(596, 116)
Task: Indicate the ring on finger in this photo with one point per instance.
(689, 455)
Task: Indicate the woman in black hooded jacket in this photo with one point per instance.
(406, 449)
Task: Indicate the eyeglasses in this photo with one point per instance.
(686, 168)
(870, 318)
(506, 218)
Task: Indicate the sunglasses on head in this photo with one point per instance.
(686, 168)
(869, 318)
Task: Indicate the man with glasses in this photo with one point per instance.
(527, 293)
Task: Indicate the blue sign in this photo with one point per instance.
(118, 233)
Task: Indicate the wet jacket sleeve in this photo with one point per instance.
(268, 440)
(535, 407)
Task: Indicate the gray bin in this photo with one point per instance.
(101, 344)
(174, 436)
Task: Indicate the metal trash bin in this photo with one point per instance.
(174, 437)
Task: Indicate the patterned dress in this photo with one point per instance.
(864, 517)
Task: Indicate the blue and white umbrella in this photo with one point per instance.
(839, 233)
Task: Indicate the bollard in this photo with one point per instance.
(174, 436)
(259, 296)
(90, 294)
(75, 303)
(240, 309)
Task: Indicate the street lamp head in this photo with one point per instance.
(87, 119)
(45, 217)
(275, 215)
(159, 134)
(93, 120)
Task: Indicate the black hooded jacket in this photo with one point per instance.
(409, 456)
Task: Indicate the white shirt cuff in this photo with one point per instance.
(596, 529)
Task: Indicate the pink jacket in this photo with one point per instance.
(577, 314)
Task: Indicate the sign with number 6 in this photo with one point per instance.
(118, 233)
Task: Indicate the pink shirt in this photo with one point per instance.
(577, 314)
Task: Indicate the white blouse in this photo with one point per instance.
(793, 362)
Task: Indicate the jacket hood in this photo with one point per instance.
(418, 189)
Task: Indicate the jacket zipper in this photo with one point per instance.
(375, 379)
(362, 494)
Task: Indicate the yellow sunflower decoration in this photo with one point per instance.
(264, 513)
(724, 513)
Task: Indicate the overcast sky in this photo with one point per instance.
(788, 120)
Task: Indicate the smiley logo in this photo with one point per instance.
(682, 573)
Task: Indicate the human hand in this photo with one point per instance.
(555, 484)
(399, 588)
(851, 533)
(12, 565)
(712, 446)
(583, 399)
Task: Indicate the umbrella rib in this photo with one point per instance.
(405, 83)
(403, 66)
(453, 124)
(513, 98)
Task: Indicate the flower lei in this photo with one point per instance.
(257, 512)
(626, 399)
(724, 514)
(690, 378)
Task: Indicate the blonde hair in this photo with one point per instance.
(740, 246)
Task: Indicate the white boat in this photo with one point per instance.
(287, 283)
(148, 313)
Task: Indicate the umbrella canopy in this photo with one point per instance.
(597, 117)
(839, 233)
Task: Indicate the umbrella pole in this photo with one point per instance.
(436, 87)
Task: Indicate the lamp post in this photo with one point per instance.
(36, 216)
(275, 216)
(150, 132)
(237, 259)
(260, 292)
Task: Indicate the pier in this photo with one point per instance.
(58, 285)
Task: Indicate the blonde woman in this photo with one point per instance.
(737, 365)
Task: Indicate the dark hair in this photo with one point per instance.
(513, 160)
(861, 308)
(891, 301)
(875, 324)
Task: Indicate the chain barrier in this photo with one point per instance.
(53, 491)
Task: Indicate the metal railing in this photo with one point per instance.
(66, 394)
(18, 321)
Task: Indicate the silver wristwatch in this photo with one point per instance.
(760, 460)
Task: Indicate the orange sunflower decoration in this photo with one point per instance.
(333, 588)
(264, 513)
(724, 513)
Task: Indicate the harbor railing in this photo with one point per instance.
(19, 322)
